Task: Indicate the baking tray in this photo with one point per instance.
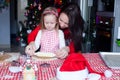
(111, 59)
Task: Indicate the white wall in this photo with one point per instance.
(21, 10)
(5, 28)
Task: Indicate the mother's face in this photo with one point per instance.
(63, 21)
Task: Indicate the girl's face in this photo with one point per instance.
(50, 21)
(63, 21)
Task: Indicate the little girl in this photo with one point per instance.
(49, 38)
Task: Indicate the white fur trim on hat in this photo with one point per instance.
(94, 76)
(72, 75)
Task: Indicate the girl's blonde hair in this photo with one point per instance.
(49, 10)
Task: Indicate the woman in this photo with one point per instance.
(72, 23)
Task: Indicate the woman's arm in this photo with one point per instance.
(38, 39)
(33, 34)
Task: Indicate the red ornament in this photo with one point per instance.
(31, 6)
(18, 39)
(58, 2)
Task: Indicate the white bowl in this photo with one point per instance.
(14, 69)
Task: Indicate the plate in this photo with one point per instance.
(14, 69)
(45, 55)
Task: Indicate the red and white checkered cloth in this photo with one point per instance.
(49, 72)
(98, 65)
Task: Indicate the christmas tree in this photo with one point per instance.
(33, 12)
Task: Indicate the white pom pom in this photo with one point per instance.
(108, 73)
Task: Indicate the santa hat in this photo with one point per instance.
(76, 64)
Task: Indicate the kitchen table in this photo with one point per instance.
(48, 72)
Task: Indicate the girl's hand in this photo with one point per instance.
(30, 49)
(62, 53)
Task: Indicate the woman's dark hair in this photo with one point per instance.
(75, 25)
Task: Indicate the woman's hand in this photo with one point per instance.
(30, 49)
(62, 53)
